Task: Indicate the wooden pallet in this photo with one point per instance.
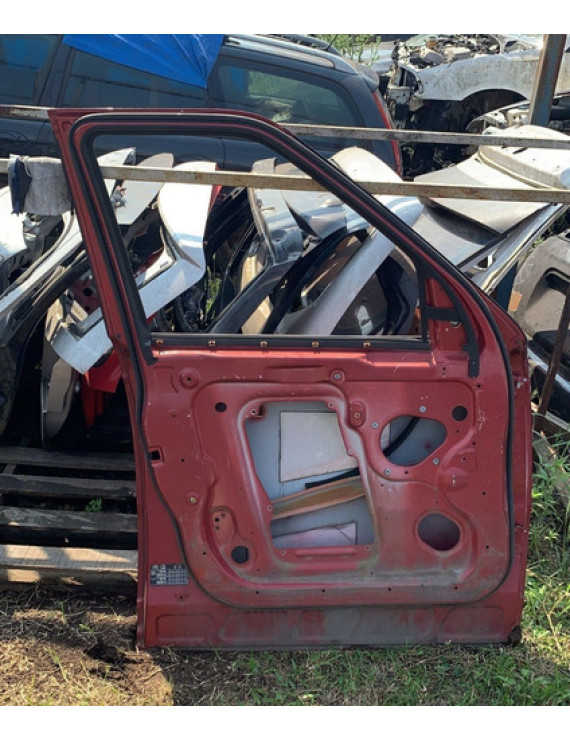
(43, 516)
(29, 563)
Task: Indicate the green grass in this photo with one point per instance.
(79, 650)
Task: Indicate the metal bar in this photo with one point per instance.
(406, 136)
(508, 254)
(546, 78)
(346, 132)
(303, 183)
(555, 358)
(34, 113)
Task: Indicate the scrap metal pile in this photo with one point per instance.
(238, 261)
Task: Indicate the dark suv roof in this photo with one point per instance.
(301, 52)
(260, 74)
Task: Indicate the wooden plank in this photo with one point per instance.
(56, 487)
(11, 467)
(67, 560)
(318, 497)
(114, 582)
(44, 521)
(53, 459)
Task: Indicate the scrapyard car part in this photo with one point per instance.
(59, 381)
(444, 82)
(283, 500)
(286, 229)
(280, 220)
(477, 71)
(536, 304)
(485, 239)
(42, 257)
(49, 259)
(516, 114)
(30, 238)
(81, 339)
(289, 224)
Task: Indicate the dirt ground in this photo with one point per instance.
(72, 647)
(78, 648)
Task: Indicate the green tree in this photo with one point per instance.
(353, 45)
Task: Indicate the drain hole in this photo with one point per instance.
(240, 554)
(459, 413)
(221, 406)
(439, 532)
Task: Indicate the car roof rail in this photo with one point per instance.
(303, 40)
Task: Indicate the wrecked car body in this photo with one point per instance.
(284, 228)
(538, 297)
(441, 82)
(331, 422)
(541, 282)
(452, 79)
(517, 115)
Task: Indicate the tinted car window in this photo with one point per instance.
(23, 59)
(282, 97)
(99, 82)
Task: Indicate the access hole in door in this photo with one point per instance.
(408, 440)
(439, 532)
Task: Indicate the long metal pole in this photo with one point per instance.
(513, 139)
(519, 194)
(555, 359)
(546, 79)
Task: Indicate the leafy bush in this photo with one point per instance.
(353, 45)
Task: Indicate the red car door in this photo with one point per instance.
(367, 486)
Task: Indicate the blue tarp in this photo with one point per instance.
(183, 57)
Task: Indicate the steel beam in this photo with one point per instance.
(546, 79)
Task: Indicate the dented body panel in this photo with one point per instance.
(480, 72)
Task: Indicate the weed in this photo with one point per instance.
(550, 531)
(54, 656)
